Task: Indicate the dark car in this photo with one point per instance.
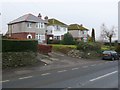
(110, 55)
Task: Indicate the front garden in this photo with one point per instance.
(87, 50)
(80, 49)
(20, 53)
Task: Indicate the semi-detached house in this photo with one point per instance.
(56, 29)
(28, 27)
(78, 32)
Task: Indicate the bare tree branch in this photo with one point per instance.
(107, 33)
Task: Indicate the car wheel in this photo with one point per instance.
(113, 58)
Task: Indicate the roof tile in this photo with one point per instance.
(27, 17)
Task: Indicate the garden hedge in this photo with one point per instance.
(19, 45)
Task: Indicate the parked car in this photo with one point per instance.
(110, 55)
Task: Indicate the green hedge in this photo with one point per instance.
(19, 45)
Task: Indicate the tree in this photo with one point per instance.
(93, 35)
(68, 39)
(107, 33)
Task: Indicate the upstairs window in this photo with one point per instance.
(57, 27)
(65, 29)
(40, 25)
(29, 25)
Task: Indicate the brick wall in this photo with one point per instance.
(22, 35)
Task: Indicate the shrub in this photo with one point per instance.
(18, 59)
(84, 46)
(54, 41)
(118, 48)
(90, 55)
(68, 39)
(106, 47)
(45, 49)
(10, 45)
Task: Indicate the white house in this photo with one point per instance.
(56, 29)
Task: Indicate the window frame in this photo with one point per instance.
(29, 25)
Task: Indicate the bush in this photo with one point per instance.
(90, 55)
(10, 45)
(18, 59)
(45, 49)
(108, 44)
(54, 41)
(106, 47)
(68, 39)
(117, 49)
(89, 50)
(84, 46)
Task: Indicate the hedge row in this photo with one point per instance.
(19, 45)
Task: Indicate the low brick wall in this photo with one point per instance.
(44, 49)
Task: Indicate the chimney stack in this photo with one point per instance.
(81, 25)
(39, 15)
(46, 17)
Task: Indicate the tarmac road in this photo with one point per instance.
(90, 75)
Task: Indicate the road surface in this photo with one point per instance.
(90, 75)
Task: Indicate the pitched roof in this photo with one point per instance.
(27, 17)
(76, 27)
(55, 22)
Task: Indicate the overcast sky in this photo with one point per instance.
(90, 13)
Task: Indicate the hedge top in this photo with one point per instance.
(19, 45)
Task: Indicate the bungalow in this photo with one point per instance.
(78, 32)
(28, 27)
(56, 29)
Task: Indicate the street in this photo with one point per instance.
(102, 74)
